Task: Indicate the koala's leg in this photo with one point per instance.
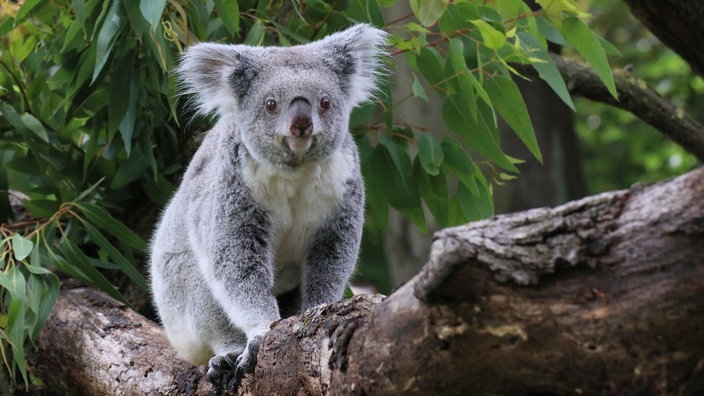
(195, 324)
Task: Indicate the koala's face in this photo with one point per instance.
(291, 109)
(291, 105)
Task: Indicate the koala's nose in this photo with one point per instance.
(301, 121)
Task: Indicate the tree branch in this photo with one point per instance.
(635, 97)
(677, 23)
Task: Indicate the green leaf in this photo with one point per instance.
(151, 10)
(41, 208)
(25, 123)
(319, 5)
(431, 65)
(479, 134)
(509, 9)
(106, 36)
(118, 258)
(256, 34)
(16, 321)
(77, 258)
(466, 84)
(362, 10)
(457, 17)
(475, 206)
(45, 287)
(418, 90)
(433, 190)
(399, 155)
(461, 164)
(119, 94)
(491, 37)
(21, 247)
(159, 190)
(509, 103)
(106, 222)
(26, 7)
(229, 12)
(430, 153)
(377, 206)
(126, 126)
(582, 39)
(79, 8)
(130, 170)
(547, 30)
(547, 69)
(399, 187)
(558, 7)
(428, 11)
(34, 125)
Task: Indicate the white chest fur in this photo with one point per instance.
(298, 203)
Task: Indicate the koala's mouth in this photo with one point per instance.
(297, 144)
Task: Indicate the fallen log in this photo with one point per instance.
(604, 295)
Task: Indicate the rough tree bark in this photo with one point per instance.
(599, 296)
(94, 345)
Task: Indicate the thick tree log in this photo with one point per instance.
(599, 296)
(95, 345)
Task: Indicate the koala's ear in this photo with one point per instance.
(356, 55)
(217, 75)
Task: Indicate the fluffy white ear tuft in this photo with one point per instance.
(357, 55)
(204, 72)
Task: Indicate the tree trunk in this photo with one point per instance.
(599, 296)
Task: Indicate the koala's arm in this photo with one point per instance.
(333, 255)
(236, 258)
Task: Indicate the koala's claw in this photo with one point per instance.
(221, 369)
(227, 371)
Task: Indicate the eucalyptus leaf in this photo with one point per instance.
(229, 12)
(430, 153)
(21, 247)
(151, 10)
(112, 226)
(509, 103)
(582, 39)
(107, 35)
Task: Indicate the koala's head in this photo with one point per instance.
(291, 104)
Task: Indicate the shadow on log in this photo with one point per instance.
(604, 295)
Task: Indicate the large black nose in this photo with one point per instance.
(301, 121)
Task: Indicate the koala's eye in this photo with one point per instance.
(270, 105)
(325, 103)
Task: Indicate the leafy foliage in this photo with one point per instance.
(90, 123)
(29, 289)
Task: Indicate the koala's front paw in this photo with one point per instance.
(226, 371)
(221, 369)
(247, 360)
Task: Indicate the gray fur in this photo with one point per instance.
(272, 203)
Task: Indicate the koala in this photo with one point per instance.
(267, 220)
